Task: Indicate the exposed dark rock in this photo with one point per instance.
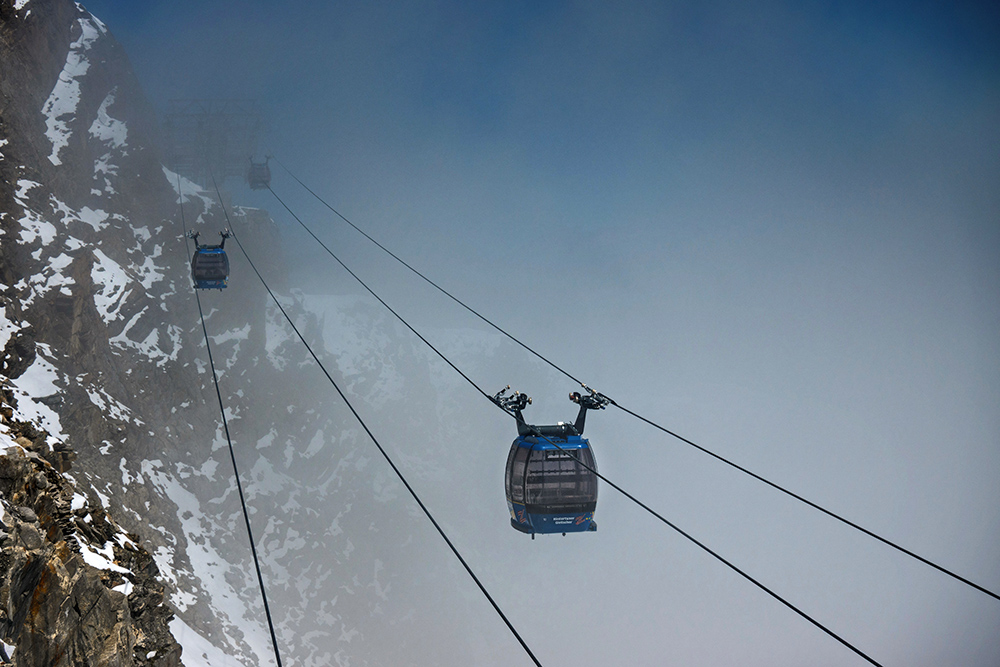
(19, 353)
(144, 425)
(56, 608)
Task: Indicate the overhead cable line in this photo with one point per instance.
(557, 446)
(382, 450)
(652, 423)
(380, 300)
(816, 506)
(715, 554)
(225, 425)
(422, 276)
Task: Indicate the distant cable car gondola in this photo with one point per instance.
(210, 265)
(550, 479)
(259, 175)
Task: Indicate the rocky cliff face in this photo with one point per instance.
(89, 261)
(104, 357)
(75, 588)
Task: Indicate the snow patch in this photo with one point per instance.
(33, 227)
(102, 558)
(164, 560)
(315, 445)
(60, 107)
(110, 406)
(35, 385)
(50, 277)
(233, 335)
(267, 440)
(207, 565)
(125, 588)
(113, 281)
(107, 129)
(186, 189)
(103, 168)
(7, 328)
(23, 185)
(127, 476)
(149, 273)
(198, 651)
(105, 503)
(149, 346)
(276, 334)
(95, 218)
(113, 133)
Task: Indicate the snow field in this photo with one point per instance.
(61, 105)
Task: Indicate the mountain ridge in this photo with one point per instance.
(104, 350)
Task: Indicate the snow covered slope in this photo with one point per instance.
(103, 349)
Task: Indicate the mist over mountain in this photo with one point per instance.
(104, 352)
(822, 315)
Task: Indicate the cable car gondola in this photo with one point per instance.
(550, 478)
(210, 265)
(259, 175)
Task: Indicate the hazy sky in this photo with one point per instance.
(772, 227)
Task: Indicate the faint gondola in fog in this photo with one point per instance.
(210, 265)
(551, 473)
(259, 175)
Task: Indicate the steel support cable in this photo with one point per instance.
(716, 456)
(711, 552)
(425, 278)
(232, 455)
(385, 455)
(380, 300)
(579, 462)
(815, 506)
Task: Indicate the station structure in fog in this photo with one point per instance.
(207, 138)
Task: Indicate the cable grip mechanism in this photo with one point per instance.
(594, 400)
(512, 403)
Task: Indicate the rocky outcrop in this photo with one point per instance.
(99, 332)
(101, 339)
(75, 589)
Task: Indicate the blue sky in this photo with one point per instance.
(775, 227)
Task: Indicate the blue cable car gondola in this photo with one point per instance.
(551, 478)
(259, 175)
(210, 265)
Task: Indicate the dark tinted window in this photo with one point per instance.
(210, 266)
(516, 485)
(506, 472)
(556, 478)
